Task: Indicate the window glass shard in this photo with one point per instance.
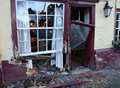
(78, 35)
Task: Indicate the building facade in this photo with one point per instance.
(102, 29)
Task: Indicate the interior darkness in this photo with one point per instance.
(78, 53)
(78, 14)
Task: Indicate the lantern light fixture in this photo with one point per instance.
(107, 9)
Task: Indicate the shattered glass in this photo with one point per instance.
(78, 35)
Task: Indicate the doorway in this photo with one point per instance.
(81, 40)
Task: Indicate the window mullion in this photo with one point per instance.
(37, 39)
(118, 35)
(46, 31)
(37, 14)
(46, 40)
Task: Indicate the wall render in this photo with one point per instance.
(5, 30)
(104, 27)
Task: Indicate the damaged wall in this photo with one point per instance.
(5, 30)
(104, 30)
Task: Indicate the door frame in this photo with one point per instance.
(90, 52)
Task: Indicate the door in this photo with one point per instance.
(81, 35)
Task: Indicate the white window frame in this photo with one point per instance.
(33, 28)
(117, 29)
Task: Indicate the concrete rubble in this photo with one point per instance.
(88, 79)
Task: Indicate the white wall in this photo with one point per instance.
(5, 30)
(118, 4)
(104, 27)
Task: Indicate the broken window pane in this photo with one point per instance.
(78, 35)
(32, 7)
(41, 8)
(31, 11)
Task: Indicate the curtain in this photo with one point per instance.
(59, 47)
(57, 43)
(23, 22)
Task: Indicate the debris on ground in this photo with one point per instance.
(91, 79)
(106, 72)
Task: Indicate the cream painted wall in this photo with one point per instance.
(103, 31)
(5, 30)
(104, 27)
(118, 3)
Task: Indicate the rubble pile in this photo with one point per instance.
(46, 77)
(91, 79)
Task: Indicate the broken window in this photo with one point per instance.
(79, 32)
(40, 28)
(79, 35)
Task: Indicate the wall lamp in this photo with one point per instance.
(107, 9)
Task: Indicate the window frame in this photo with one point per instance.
(117, 30)
(15, 29)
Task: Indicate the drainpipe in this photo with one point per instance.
(114, 21)
(0, 57)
